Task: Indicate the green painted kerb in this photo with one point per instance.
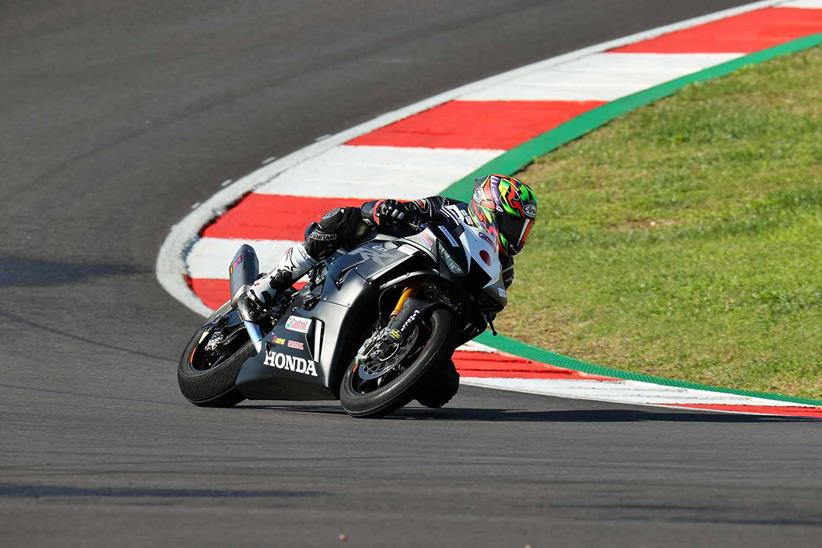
(517, 158)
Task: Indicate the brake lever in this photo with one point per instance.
(490, 321)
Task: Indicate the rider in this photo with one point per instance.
(505, 206)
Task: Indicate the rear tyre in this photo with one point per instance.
(210, 381)
(381, 400)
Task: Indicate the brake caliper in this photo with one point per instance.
(383, 351)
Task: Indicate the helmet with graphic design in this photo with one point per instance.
(507, 208)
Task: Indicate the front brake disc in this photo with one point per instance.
(372, 366)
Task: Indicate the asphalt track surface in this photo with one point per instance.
(116, 118)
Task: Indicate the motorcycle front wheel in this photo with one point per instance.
(370, 398)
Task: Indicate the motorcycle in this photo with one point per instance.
(374, 327)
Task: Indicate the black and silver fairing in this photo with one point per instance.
(468, 254)
(311, 345)
(313, 342)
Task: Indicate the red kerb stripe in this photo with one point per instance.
(496, 365)
(743, 33)
(214, 292)
(785, 411)
(274, 216)
(476, 124)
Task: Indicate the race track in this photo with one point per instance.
(117, 117)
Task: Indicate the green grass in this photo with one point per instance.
(685, 239)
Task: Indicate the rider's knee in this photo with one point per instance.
(330, 233)
(339, 220)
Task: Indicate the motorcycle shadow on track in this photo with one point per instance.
(462, 414)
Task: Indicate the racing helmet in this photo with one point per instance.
(507, 208)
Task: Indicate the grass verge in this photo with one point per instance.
(685, 239)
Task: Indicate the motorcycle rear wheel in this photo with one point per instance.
(400, 390)
(207, 384)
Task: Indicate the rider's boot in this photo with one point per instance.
(294, 264)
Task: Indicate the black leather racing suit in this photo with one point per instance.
(348, 226)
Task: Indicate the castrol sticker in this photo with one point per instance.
(298, 324)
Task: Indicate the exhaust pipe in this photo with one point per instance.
(242, 272)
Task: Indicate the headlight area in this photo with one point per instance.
(450, 262)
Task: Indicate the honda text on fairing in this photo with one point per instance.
(376, 324)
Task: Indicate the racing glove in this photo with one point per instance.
(393, 212)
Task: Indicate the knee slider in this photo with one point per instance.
(331, 232)
(334, 220)
(309, 229)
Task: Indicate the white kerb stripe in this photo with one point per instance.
(618, 391)
(555, 85)
(808, 4)
(671, 64)
(210, 257)
(374, 171)
(473, 346)
(602, 77)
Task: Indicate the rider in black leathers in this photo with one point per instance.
(505, 205)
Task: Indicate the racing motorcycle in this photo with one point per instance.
(374, 327)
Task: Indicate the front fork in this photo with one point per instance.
(387, 345)
(408, 311)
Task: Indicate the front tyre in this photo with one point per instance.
(367, 400)
(207, 378)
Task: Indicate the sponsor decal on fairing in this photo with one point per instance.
(427, 240)
(290, 363)
(237, 261)
(298, 324)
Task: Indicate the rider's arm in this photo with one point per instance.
(404, 211)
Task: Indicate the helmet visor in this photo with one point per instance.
(516, 232)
